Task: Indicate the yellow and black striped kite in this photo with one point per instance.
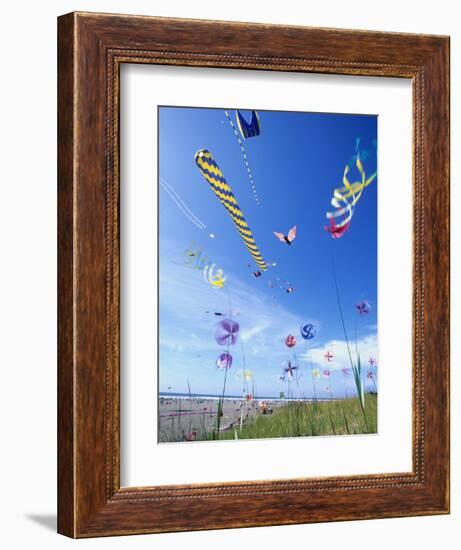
(213, 175)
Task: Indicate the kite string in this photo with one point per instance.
(181, 205)
(164, 183)
(245, 158)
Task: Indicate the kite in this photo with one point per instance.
(194, 258)
(290, 341)
(224, 361)
(372, 361)
(308, 331)
(213, 175)
(215, 278)
(328, 356)
(363, 308)
(345, 198)
(281, 284)
(248, 130)
(244, 154)
(288, 239)
(326, 373)
(244, 374)
(290, 369)
(226, 332)
(181, 204)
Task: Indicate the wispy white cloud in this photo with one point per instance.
(187, 323)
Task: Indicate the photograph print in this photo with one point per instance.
(267, 274)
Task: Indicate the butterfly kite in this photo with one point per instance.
(287, 239)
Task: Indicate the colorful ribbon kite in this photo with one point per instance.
(215, 277)
(344, 200)
(213, 175)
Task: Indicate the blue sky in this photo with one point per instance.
(297, 162)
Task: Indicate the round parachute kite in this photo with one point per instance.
(308, 331)
(226, 332)
(224, 361)
(290, 341)
(215, 178)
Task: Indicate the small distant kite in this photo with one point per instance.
(372, 361)
(215, 178)
(308, 331)
(288, 239)
(363, 308)
(251, 129)
(329, 356)
(257, 274)
(290, 341)
(326, 373)
(281, 284)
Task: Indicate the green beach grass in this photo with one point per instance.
(340, 417)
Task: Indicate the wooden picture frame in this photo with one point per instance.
(92, 48)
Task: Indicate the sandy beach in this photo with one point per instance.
(182, 419)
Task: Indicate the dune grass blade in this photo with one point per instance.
(341, 417)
